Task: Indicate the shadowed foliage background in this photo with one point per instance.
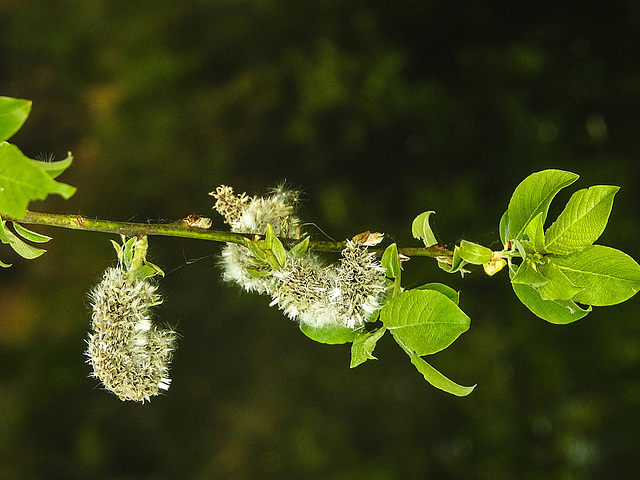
(378, 111)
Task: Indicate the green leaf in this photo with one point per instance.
(269, 236)
(22, 180)
(473, 253)
(433, 376)
(527, 274)
(13, 113)
(3, 232)
(132, 256)
(607, 276)
(582, 221)
(421, 229)
(452, 294)
(535, 232)
(504, 229)
(279, 251)
(128, 248)
(274, 244)
(331, 333)
(393, 269)
(300, 248)
(553, 311)
(54, 169)
(21, 248)
(257, 252)
(457, 263)
(118, 249)
(30, 235)
(427, 321)
(391, 261)
(558, 286)
(4, 239)
(520, 247)
(363, 346)
(533, 196)
(148, 270)
(255, 273)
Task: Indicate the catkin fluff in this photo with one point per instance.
(360, 284)
(247, 214)
(347, 294)
(305, 289)
(302, 291)
(129, 354)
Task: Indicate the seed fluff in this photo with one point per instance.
(130, 355)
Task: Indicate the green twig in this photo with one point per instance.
(182, 229)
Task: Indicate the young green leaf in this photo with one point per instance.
(391, 261)
(148, 270)
(504, 229)
(421, 229)
(255, 273)
(269, 237)
(558, 286)
(363, 346)
(127, 250)
(433, 376)
(473, 253)
(300, 248)
(457, 263)
(3, 232)
(332, 333)
(54, 169)
(279, 251)
(30, 235)
(274, 244)
(256, 251)
(527, 274)
(13, 113)
(393, 269)
(533, 196)
(535, 232)
(4, 238)
(582, 221)
(522, 246)
(118, 248)
(553, 311)
(607, 276)
(425, 320)
(22, 181)
(21, 248)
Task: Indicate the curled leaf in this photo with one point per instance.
(421, 229)
(363, 346)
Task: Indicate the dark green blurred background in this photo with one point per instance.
(378, 110)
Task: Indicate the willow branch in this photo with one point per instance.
(183, 229)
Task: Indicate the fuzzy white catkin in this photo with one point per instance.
(304, 288)
(252, 215)
(348, 294)
(129, 354)
(360, 284)
(303, 291)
